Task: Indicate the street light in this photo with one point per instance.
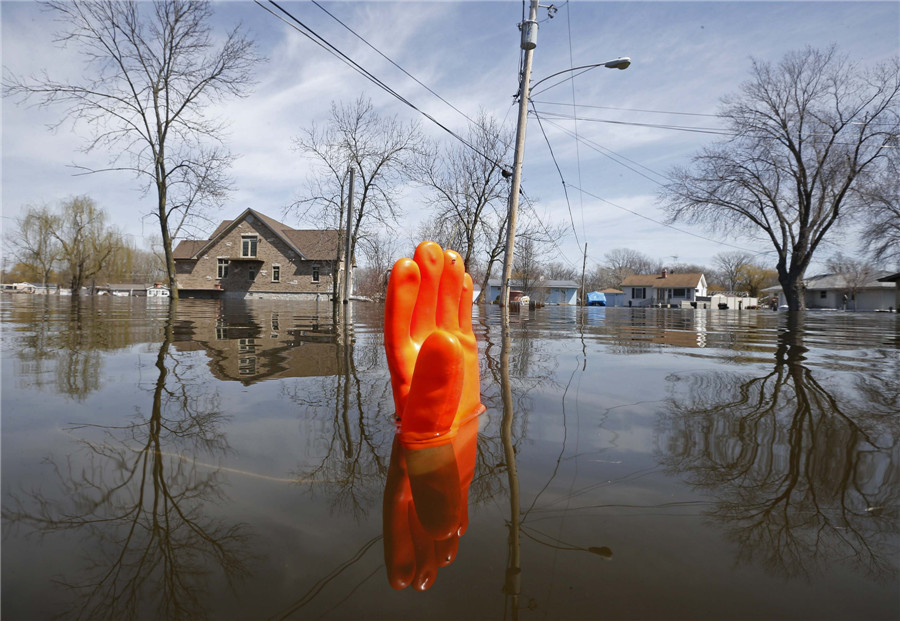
(529, 42)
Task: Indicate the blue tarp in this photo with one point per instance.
(596, 298)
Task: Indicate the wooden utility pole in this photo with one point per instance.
(348, 260)
(529, 42)
(583, 267)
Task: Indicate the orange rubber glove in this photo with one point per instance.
(431, 351)
(425, 509)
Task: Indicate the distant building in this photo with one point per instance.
(540, 291)
(664, 289)
(835, 292)
(614, 297)
(256, 256)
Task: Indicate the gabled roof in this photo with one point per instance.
(689, 279)
(312, 245)
(187, 248)
(839, 282)
(538, 284)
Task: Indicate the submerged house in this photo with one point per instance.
(257, 256)
(664, 289)
(541, 291)
(838, 292)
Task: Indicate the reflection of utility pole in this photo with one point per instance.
(512, 584)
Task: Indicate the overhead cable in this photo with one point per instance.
(310, 34)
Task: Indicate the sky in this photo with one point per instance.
(685, 57)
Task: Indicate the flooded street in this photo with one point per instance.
(237, 461)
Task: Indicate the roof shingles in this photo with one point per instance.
(313, 245)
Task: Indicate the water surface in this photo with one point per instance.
(237, 461)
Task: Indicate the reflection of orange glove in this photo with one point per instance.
(431, 351)
(425, 511)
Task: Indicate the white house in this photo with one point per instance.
(835, 292)
(663, 289)
(540, 291)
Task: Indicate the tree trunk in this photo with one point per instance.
(792, 285)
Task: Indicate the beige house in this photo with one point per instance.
(256, 256)
(663, 289)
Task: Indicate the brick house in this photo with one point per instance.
(663, 289)
(256, 256)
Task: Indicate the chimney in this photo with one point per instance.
(665, 273)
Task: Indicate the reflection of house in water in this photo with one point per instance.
(250, 347)
(637, 329)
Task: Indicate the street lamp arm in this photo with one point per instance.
(617, 63)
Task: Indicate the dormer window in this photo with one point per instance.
(248, 245)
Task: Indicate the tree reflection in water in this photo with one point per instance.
(804, 470)
(136, 495)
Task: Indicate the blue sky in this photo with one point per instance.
(685, 57)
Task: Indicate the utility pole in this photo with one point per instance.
(583, 267)
(348, 261)
(529, 42)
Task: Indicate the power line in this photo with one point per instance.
(684, 128)
(709, 239)
(605, 151)
(558, 170)
(380, 53)
(577, 149)
(544, 226)
(313, 36)
(553, 103)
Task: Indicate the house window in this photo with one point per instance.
(252, 272)
(823, 294)
(679, 293)
(248, 245)
(223, 269)
(315, 273)
(247, 346)
(638, 293)
(276, 273)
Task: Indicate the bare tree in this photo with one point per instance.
(730, 265)
(152, 69)
(34, 243)
(465, 184)
(810, 135)
(87, 243)
(854, 273)
(380, 252)
(378, 148)
(881, 232)
(623, 262)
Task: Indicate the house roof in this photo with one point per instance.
(880, 279)
(840, 282)
(538, 284)
(187, 248)
(312, 245)
(688, 279)
(610, 290)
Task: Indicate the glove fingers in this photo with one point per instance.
(450, 291)
(430, 260)
(445, 550)
(465, 306)
(399, 551)
(426, 561)
(402, 292)
(435, 389)
(434, 483)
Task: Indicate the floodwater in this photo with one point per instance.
(237, 461)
